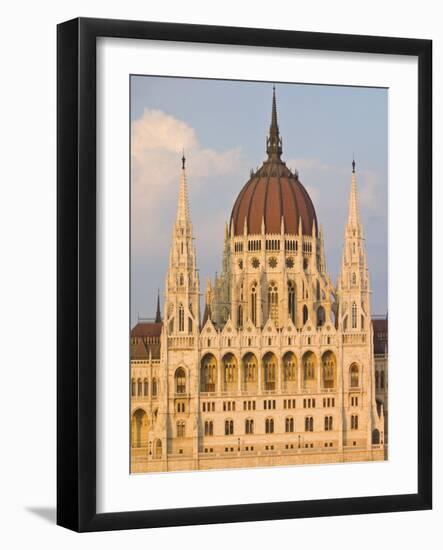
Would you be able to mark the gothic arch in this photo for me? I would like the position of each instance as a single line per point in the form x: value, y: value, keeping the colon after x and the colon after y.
x: 253, y: 303
x: 208, y: 373
x: 180, y: 381
x: 249, y: 372
x: 139, y: 428
x: 375, y: 437
x: 321, y: 316
x: 230, y: 372
x: 292, y: 301
x: 309, y: 371
x: 305, y: 314
x: 273, y: 302
x: 289, y: 370
x: 328, y: 370
x: 158, y: 448
x: 269, y: 370
x: 354, y: 376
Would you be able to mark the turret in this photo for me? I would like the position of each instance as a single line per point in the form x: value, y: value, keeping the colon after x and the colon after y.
x: 353, y: 282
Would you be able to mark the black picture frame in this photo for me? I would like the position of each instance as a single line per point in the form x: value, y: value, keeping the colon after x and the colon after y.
x: 76, y: 273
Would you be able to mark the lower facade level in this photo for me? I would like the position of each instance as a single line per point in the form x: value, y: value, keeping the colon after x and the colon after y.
x: 142, y: 461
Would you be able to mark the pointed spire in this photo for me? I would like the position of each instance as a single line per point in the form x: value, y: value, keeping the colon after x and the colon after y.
x: 183, y: 207
x: 158, y: 315
x: 354, y: 214
x: 274, y: 142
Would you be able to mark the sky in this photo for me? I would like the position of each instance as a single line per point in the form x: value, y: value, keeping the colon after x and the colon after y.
x: 222, y: 126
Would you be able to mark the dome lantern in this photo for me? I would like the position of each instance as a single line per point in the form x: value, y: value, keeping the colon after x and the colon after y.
x: 273, y: 197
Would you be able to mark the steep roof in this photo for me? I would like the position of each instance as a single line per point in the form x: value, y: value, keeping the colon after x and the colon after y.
x: 147, y: 329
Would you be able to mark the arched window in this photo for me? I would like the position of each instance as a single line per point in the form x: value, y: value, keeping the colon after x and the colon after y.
x: 269, y: 426
x: 249, y: 369
x: 180, y: 380
x: 309, y: 363
x: 254, y: 304
x: 309, y: 424
x: 328, y: 423
x: 208, y: 373
x: 328, y: 370
x: 139, y: 433
x: 158, y: 448
x: 318, y: 290
x: 229, y: 427
x: 382, y: 379
x: 181, y: 318
x: 249, y: 426
x: 240, y: 316
x: 353, y: 371
x: 305, y: 314
x: 321, y: 316
x: 291, y: 301
x: 289, y: 425
x: 181, y: 428
x: 230, y: 369
x: 154, y: 387
x: 354, y: 422
x: 189, y: 325
x: 375, y: 437
x: 181, y: 279
x: 273, y: 302
x: 209, y: 427
x: 139, y: 386
x: 289, y: 367
x: 133, y: 388
x: 354, y: 315
x: 145, y: 387
x: 269, y: 370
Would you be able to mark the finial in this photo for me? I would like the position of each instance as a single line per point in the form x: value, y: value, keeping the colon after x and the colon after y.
x: 183, y: 160
x: 274, y: 142
x: 353, y: 163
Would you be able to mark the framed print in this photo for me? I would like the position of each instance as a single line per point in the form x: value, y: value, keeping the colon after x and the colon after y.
x: 244, y: 274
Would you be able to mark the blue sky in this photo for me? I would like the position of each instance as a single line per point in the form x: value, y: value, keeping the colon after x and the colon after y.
x: 223, y: 126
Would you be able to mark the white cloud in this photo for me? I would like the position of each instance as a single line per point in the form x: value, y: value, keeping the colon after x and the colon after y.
x: 157, y: 141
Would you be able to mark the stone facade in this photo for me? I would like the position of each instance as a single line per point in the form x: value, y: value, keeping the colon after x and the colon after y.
x: 282, y: 367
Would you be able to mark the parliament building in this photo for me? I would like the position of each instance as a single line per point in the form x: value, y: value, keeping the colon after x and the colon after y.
x: 283, y: 367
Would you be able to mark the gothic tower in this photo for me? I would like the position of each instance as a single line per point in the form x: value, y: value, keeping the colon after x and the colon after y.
x: 180, y: 333
x: 353, y: 283
x: 182, y: 313
x: 354, y: 322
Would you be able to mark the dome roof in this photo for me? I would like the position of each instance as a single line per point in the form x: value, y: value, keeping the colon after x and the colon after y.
x: 273, y: 193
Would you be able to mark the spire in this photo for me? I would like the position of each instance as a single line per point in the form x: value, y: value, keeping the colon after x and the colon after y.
x: 354, y: 215
x: 274, y: 142
x: 158, y: 315
x: 183, y: 208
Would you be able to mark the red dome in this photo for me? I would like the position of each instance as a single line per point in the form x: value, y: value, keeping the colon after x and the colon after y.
x: 273, y: 193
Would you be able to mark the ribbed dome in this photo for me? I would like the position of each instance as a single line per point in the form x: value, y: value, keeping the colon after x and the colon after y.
x: 273, y: 193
